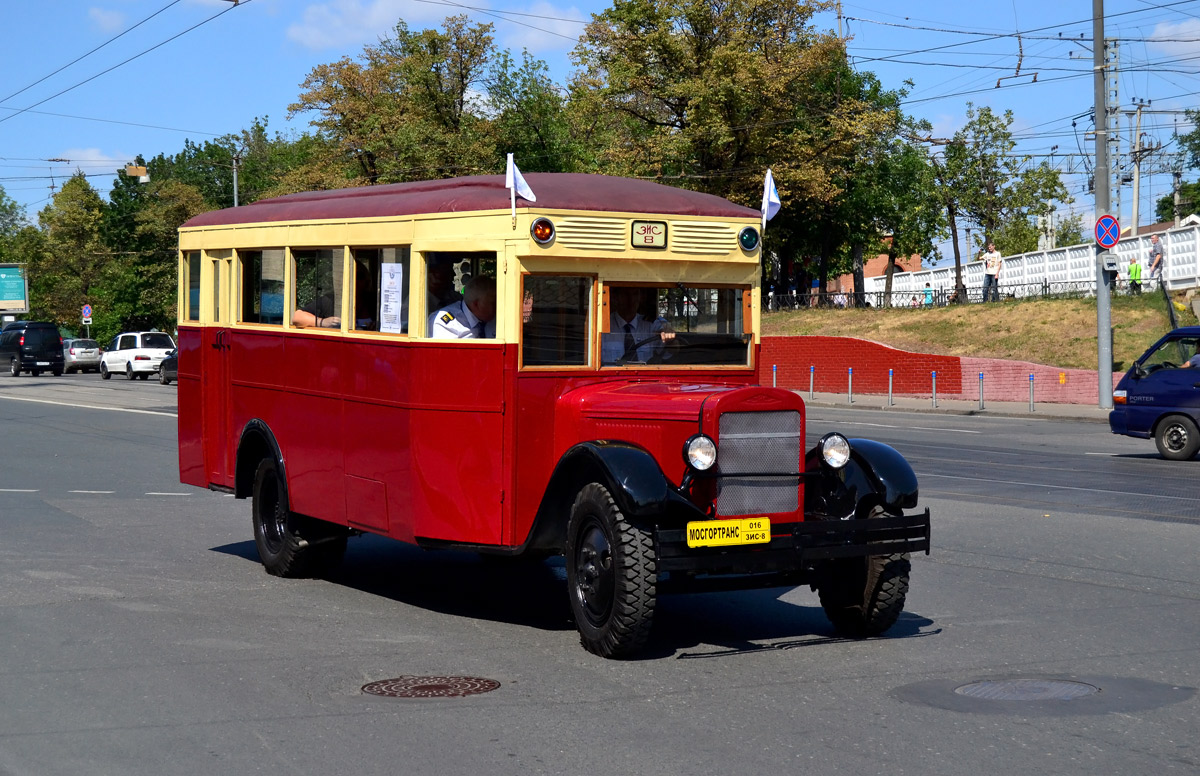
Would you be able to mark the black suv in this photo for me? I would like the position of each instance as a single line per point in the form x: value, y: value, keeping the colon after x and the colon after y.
x: 29, y: 346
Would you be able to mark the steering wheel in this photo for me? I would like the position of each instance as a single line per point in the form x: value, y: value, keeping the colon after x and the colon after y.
x: 631, y: 351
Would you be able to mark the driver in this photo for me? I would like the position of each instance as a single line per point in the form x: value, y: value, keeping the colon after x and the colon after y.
x: 629, y: 329
x: 1194, y: 361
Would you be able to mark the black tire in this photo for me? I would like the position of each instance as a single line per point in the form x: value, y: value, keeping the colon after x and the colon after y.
x: 128, y: 371
x: 57, y: 373
x: 104, y: 373
x: 35, y: 372
x: 162, y: 378
x: 1177, y: 438
x: 864, y: 596
x: 611, y: 575
x: 290, y: 545
x: 143, y: 375
x: 14, y: 368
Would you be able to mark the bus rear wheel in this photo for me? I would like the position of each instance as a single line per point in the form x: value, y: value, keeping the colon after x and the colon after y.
x: 290, y: 545
x: 611, y: 575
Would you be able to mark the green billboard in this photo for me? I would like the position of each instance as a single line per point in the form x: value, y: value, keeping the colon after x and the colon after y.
x: 14, y: 292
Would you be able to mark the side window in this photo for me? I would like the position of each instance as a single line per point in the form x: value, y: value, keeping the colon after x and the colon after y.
x: 262, y: 286
x: 128, y: 342
x: 193, y: 285
x: 381, y: 280
x: 1172, y: 353
x: 460, y: 295
x: 318, y: 289
x: 555, y: 315
x: 112, y: 345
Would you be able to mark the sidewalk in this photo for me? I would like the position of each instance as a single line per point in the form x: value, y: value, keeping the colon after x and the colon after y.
x: 1085, y: 412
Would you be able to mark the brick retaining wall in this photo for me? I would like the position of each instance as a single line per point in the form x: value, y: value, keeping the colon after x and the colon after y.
x: 957, y: 377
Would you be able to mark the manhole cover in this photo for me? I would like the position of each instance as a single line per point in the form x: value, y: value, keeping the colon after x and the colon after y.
x: 1027, y: 690
x: 430, y: 686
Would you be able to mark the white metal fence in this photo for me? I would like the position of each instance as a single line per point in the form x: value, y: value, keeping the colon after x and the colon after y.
x: 1024, y: 274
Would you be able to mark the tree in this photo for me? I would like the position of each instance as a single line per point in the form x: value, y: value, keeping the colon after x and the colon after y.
x: 982, y: 180
x: 409, y: 108
x: 709, y: 95
x: 529, y: 117
x: 12, y: 223
x: 1189, y: 202
x: 64, y: 276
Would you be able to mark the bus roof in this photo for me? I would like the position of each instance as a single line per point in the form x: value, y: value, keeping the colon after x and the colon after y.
x: 554, y: 191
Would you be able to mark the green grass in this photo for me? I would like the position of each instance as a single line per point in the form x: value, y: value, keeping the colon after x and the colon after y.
x: 1056, y: 332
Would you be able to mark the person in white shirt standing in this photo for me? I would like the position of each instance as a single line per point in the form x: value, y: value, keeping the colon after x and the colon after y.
x: 992, y: 261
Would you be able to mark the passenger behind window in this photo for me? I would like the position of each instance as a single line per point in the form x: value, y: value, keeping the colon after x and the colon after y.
x: 318, y: 313
x: 441, y: 285
x: 633, y: 336
x: 474, y: 317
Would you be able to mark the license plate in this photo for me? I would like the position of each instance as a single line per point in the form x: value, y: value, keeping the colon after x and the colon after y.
x: 43, y: 363
x: 723, y: 533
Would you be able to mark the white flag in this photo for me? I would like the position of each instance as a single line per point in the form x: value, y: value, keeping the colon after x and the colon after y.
x: 770, y: 203
x: 515, y: 181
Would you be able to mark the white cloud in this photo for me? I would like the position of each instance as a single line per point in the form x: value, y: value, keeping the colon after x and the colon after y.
x: 1176, y: 39
x: 341, y: 23
x: 94, y: 161
x: 105, y: 20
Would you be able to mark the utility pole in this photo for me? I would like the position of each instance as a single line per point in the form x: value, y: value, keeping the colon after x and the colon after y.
x: 1103, y: 302
x: 236, y: 159
x: 1177, y: 175
x: 1136, y: 154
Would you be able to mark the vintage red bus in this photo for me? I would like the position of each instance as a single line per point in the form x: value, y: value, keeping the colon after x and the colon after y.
x: 595, y: 394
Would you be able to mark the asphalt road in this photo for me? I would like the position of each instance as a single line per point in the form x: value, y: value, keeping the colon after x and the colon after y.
x: 141, y: 636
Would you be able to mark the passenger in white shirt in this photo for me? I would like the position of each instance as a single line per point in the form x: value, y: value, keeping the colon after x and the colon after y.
x: 472, y: 318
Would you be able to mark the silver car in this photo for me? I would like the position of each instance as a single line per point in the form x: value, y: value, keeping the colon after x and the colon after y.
x: 81, y: 355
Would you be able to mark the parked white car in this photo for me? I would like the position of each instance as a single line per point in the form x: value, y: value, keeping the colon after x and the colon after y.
x: 135, y: 354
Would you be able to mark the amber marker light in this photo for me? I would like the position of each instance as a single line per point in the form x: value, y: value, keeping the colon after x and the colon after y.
x: 1118, y: 397
x: 542, y: 231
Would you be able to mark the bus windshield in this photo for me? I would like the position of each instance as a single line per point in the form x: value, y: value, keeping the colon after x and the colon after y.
x: 647, y: 325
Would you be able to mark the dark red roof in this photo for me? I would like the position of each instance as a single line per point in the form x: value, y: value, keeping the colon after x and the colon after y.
x: 555, y: 191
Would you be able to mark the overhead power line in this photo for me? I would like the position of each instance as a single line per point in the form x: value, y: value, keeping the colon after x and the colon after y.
x: 88, y: 54
x: 125, y: 62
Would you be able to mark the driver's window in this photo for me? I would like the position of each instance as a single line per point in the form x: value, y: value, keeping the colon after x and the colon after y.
x: 1171, y: 354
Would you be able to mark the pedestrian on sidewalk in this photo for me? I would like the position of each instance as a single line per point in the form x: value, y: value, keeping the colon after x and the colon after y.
x: 992, y: 261
x: 1135, y: 276
x: 1158, y: 262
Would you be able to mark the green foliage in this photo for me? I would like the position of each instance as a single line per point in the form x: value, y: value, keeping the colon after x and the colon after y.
x: 1189, y: 202
x: 981, y: 179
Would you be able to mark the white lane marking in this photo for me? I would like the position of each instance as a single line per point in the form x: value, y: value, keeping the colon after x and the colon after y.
x: 902, y: 428
x: 91, y: 491
x: 17, y: 490
x: 168, y: 494
x: 1106, y: 455
x: 1026, y: 485
x: 91, y: 406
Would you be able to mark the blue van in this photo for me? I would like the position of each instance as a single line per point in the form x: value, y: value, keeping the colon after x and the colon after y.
x: 1159, y: 396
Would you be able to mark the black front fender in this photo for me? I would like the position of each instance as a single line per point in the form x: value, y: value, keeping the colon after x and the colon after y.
x: 875, y: 475
x: 628, y: 472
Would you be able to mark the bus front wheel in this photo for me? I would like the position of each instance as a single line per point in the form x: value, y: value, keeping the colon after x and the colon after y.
x: 290, y: 545
x: 611, y: 575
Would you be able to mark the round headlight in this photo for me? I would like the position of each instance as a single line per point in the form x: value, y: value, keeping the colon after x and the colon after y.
x: 700, y: 452
x: 542, y: 231
x: 835, y: 450
x: 748, y: 238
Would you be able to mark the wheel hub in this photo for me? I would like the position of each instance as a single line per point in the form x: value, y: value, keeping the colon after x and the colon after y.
x: 594, y: 577
x: 1177, y: 437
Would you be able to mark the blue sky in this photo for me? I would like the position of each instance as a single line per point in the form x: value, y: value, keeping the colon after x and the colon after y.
x: 215, y: 66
